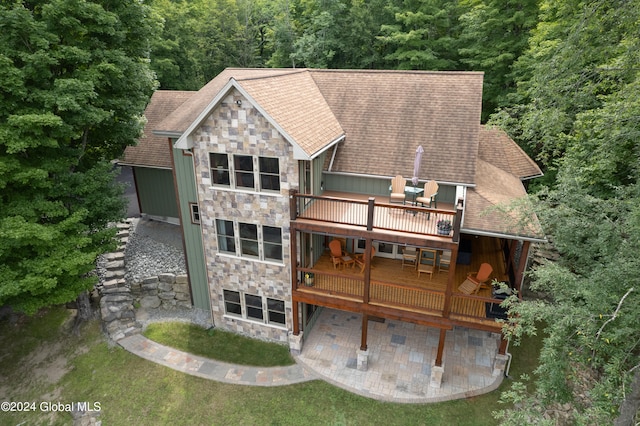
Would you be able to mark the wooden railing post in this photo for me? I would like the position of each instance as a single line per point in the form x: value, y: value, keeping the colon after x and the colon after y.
x: 367, y: 270
x: 457, y: 221
x: 293, y: 204
x: 372, y: 202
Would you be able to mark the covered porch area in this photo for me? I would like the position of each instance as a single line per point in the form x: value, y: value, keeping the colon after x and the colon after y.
x: 401, y: 358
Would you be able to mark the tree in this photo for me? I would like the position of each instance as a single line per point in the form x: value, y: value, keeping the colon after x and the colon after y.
x: 493, y: 35
x: 424, y: 36
x: 74, y: 81
x: 591, y: 355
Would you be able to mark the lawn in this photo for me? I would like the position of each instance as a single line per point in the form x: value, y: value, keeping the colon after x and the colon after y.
x: 134, y: 391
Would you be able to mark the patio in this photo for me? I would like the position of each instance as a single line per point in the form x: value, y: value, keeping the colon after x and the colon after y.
x: 400, y: 359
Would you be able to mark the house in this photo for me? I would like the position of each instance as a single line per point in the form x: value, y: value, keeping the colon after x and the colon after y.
x: 272, y: 165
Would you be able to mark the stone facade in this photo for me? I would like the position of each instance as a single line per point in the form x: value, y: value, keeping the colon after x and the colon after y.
x: 235, y: 126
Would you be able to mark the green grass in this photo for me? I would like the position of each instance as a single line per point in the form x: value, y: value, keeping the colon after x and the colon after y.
x: 132, y: 390
x: 219, y: 345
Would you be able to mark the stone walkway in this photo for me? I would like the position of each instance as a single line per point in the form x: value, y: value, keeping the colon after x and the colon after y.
x: 399, y: 366
x: 214, y: 370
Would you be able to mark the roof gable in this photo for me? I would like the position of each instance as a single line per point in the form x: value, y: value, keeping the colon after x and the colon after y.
x: 497, y: 148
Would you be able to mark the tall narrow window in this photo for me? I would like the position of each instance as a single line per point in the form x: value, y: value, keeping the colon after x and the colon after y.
x: 254, y: 306
x: 275, y: 310
x: 269, y: 174
x: 195, y: 213
x: 232, y: 303
x: 272, y: 242
x: 243, y: 165
x: 249, y: 239
x: 219, y: 169
x: 226, y: 240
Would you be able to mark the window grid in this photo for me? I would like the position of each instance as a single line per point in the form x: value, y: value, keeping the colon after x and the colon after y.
x: 254, y: 307
x: 219, y: 169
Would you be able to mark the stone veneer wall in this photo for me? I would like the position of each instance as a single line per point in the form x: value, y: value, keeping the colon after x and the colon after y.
x: 238, y: 128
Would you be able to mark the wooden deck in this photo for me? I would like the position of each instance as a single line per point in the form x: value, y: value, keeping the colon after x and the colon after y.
x: 398, y: 288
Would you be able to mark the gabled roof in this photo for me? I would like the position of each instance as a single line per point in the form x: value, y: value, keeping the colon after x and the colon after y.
x: 384, y: 115
x: 485, y: 205
x: 153, y: 150
x: 387, y: 114
x: 497, y: 148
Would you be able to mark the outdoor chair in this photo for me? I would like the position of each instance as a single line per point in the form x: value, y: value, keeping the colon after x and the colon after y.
x: 429, y: 195
x: 476, y: 280
x: 444, y: 262
x: 397, y: 190
x: 339, y: 257
x: 427, y: 262
x: 359, y: 258
x: 409, y: 256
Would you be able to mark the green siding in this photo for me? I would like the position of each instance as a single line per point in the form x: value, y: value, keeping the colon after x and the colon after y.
x: 185, y: 181
x: 375, y: 186
x: 156, y: 192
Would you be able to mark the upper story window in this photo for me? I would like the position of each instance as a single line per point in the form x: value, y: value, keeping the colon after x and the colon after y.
x: 219, y: 169
x: 241, y: 172
x: 249, y: 240
x: 269, y: 174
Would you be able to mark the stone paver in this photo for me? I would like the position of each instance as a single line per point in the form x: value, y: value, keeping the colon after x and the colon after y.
x: 399, y: 365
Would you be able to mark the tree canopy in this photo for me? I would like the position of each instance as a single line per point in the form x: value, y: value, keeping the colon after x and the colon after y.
x: 74, y: 81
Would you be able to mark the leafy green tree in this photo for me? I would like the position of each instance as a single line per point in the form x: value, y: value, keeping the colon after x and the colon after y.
x: 74, y: 81
x: 424, y: 36
x: 591, y: 355
x: 493, y: 35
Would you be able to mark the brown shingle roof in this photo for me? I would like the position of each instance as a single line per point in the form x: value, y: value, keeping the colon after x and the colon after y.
x: 485, y: 206
x: 497, y: 148
x: 387, y: 114
x: 181, y: 119
x: 295, y: 103
x: 153, y: 150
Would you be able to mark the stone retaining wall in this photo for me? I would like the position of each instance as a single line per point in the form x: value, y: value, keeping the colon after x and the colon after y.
x: 118, y: 298
x: 164, y: 291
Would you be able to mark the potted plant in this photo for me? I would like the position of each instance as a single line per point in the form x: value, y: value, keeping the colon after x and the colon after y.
x: 308, y: 279
x: 444, y: 227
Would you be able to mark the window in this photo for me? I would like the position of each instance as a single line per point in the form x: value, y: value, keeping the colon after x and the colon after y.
x: 244, y: 172
x: 195, y: 213
x: 269, y: 174
x: 243, y: 165
x: 254, y: 307
x: 219, y: 169
x: 275, y: 310
x: 253, y: 241
x: 232, y: 302
x: 249, y: 240
x: 272, y: 241
x: 226, y: 239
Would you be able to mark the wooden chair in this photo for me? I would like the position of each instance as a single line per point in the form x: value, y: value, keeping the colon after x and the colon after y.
x: 397, y: 190
x: 445, y: 261
x: 409, y: 256
x: 339, y: 257
x: 476, y: 280
x: 359, y: 259
x: 429, y: 196
x: 430, y: 266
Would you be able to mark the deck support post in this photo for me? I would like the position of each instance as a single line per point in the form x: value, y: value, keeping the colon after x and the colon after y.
x: 363, y: 337
x: 503, y: 345
x: 443, y: 335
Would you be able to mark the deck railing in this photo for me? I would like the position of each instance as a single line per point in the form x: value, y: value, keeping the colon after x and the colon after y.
x: 402, y: 297
x: 371, y: 215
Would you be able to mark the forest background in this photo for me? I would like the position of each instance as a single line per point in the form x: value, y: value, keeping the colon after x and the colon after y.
x: 561, y: 78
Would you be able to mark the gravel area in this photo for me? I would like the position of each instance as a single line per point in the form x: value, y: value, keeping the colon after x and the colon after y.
x: 154, y: 248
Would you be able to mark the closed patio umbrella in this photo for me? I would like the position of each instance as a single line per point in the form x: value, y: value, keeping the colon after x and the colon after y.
x: 416, y: 165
